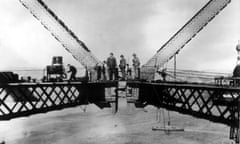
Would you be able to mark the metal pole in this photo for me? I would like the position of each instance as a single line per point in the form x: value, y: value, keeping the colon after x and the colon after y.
x: 238, y: 129
x: 116, y: 99
x: 175, y: 67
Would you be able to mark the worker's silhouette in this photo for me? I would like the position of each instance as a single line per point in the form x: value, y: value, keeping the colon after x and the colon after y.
x: 112, y: 64
x: 136, y: 66
x: 73, y: 71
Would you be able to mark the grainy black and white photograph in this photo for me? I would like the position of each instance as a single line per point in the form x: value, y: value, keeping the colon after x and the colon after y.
x: 120, y: 72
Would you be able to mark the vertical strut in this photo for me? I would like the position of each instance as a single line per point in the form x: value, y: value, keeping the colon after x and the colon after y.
x: 238, y: 129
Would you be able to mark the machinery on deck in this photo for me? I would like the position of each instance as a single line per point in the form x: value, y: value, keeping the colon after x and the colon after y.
x: 233, y: 80
x: 56, y: 71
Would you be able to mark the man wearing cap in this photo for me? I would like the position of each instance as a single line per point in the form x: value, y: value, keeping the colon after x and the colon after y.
x: 104, y: 70
x: 122, y: 66
x: 73, y: 71
x: 111, y: 64
x: 136, y: 66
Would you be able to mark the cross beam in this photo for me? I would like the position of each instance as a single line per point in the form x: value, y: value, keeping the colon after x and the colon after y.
x: 24, y: 99
x: 215, y: 103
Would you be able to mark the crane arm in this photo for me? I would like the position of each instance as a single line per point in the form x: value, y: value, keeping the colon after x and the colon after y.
x: 185, y: 34
x: 61, y: 32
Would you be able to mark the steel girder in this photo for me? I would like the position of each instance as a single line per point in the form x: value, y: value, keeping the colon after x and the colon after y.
x: 215, y: 103
x: 24, y: 99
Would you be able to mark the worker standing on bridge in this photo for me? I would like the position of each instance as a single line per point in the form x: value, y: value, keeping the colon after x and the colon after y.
x: 111, y: 64
x: 104, y: 70
x: 122, y: 66
x: 136, y: 66
x: 98, y: 69
x: 73, y: 71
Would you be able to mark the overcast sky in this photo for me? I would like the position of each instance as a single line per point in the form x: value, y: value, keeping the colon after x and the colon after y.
x: 121, y: 27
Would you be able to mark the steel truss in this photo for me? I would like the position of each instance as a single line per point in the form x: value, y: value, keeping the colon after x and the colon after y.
x: 24, y: 99
x: 214, y: 103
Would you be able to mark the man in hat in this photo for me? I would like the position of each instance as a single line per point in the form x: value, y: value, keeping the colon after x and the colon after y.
x: 111, y: 64
x: 98, y: 69
x: 104, y: 70
x: 73, y: 71
x: 136, y: 66
x: 122, y: 66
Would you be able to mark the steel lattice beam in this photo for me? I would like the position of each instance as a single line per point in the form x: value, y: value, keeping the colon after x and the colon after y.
x: 23, y: 99
x: 61, y: 32
x: 210, y: 102
x: 183, y: 36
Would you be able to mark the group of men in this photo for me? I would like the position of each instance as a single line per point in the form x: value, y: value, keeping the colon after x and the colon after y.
x: 111, y: 66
